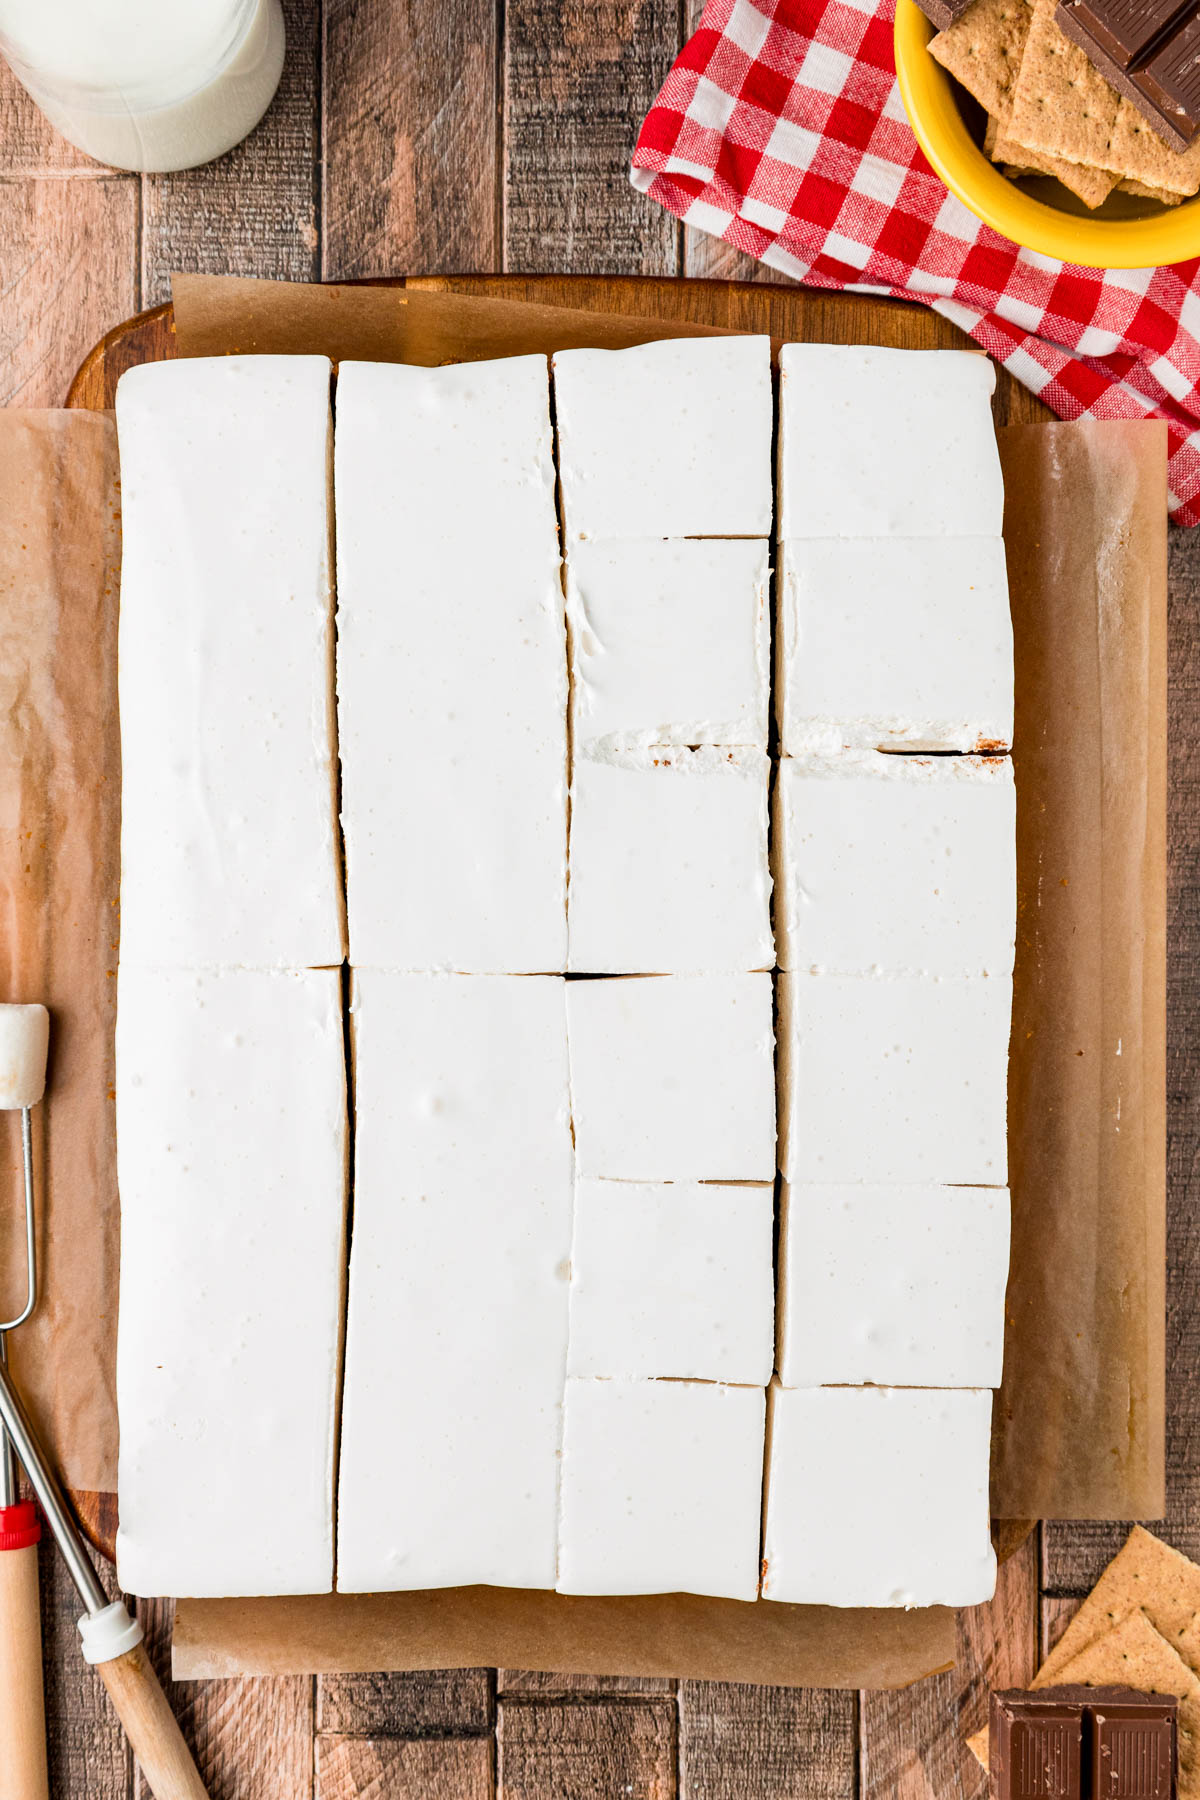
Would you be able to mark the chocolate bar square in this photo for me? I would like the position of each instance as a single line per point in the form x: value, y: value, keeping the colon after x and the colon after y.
x: 1083, y: 1743
x: 1127, y: 31
x: 1132, y: 1751
x: 944, y: 13
x: 1036, y: 1748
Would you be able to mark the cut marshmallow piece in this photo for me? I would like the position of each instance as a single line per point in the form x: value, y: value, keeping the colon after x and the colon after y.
x: 669, y: 867
x: 891, y: 1078
x: 673, y: 1280
x: 672, y: 1077
x: 670, y: 642
x: 887, y: 443
x: 229, y: 851
x: 231, y: 1160
x: 895, y: 644
x: 661, y: 1489
x: 24, y: 1042
x: 899, y: 864
x: 457, y: 1323
x: 893, y: 1284
x: 452, y: 680
x: 669, y: 439
x: 878, y: 1496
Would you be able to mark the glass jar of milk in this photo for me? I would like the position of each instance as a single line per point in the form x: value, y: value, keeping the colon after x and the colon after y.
x: 147, y: 84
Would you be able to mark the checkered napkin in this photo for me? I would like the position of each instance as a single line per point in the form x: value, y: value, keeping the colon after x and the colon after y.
x: 781, y: 129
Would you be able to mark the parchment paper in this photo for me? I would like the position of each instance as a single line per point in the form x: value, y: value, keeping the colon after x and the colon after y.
x: 1080, y: 1427
x: 1079, y: 1420
x: 60, y: 793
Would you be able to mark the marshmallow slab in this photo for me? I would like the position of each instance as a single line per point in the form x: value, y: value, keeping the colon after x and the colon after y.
x: 894, y: 644
x: 229, y: 851
x: 887, y: 443
x: 669, y: 439
x: 878, y: 1496
x: 669, y: 867
x: 670, y: 642
x: 673, y: 1280
x: 661, y: 1489
x: 893, y: 1284
x: 452, y: 680
x: 231, y: 1160
x: 891, y: 1078
x: 456, y: 1340
x: 672, y: 1078
x: 896, y: 864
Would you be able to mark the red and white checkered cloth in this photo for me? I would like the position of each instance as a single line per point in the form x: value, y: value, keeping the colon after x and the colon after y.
x: 781, y: 129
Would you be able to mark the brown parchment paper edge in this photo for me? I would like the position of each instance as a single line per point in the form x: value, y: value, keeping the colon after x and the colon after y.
x: 228, y: 1628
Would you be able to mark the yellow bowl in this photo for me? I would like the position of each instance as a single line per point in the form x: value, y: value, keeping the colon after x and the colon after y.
x: 1124, y: 233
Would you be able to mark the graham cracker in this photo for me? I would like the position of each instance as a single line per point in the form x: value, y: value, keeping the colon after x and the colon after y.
x: 1061, y: 106
x: 1134, y: 1655
x: 1093, y: 186
x: 983, y: 50
x: 1141, y: 155
x: 1150, y: 193
x: 1146, y: 1575
x: 980, y: 1746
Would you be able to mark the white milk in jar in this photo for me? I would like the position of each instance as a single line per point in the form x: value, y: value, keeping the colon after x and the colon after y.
x: 147, y: 84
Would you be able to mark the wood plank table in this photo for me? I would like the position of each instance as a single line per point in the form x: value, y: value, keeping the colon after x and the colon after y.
x: 494, y: 136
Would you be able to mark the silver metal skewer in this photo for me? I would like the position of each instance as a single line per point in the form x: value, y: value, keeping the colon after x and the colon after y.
x: 8, y: 1464
x: 44, y: 1483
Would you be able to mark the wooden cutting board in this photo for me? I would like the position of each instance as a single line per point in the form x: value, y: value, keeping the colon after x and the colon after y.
x: 789, y: 312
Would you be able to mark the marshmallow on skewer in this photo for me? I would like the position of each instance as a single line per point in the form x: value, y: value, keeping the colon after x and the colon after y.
x: 24, y: 1039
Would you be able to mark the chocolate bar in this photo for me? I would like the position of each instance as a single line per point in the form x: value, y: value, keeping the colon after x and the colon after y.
x: 1149, y: 51
x: 944, y: 13
x: 1083, y: 1743
x: 1127, y: 31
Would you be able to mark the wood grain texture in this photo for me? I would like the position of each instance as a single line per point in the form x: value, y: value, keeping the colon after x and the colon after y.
x: 578, y: 78
x: 69, y: 273
x: 252, y: 1739
x: 254, y: 211
x: 1057, y: 1612
x: 540, y: 1685
x: 586, y: 1750
x: 418, y: 1703
x: 913, y: 1743
x: 763, y: 1743
x: 350, y: 1768
x: 410, y: 137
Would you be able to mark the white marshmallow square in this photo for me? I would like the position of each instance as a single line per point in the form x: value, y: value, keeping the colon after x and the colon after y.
x: 661, y: 1489
x: 229, y: 847
x: 231, y: 1160
x: 896, y: 864
x: 895, y: 644
x: 892, y: 1284
x: 878, y: 1496
x: 672, y: 1077
x: 674, y: 1279
x: 668, y: 861
x: 887, y: 443
x: 670, y: 641
x: 452, y: 679
x: 456, y: 1338
x: 893, y: 1078
x: 668, y: 439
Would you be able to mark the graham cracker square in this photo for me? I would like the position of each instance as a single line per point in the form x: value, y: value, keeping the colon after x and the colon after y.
x: 1061, y: 106
x: 983, y: 49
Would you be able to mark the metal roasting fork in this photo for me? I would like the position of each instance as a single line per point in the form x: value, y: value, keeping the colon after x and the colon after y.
x: 111, y: 1639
